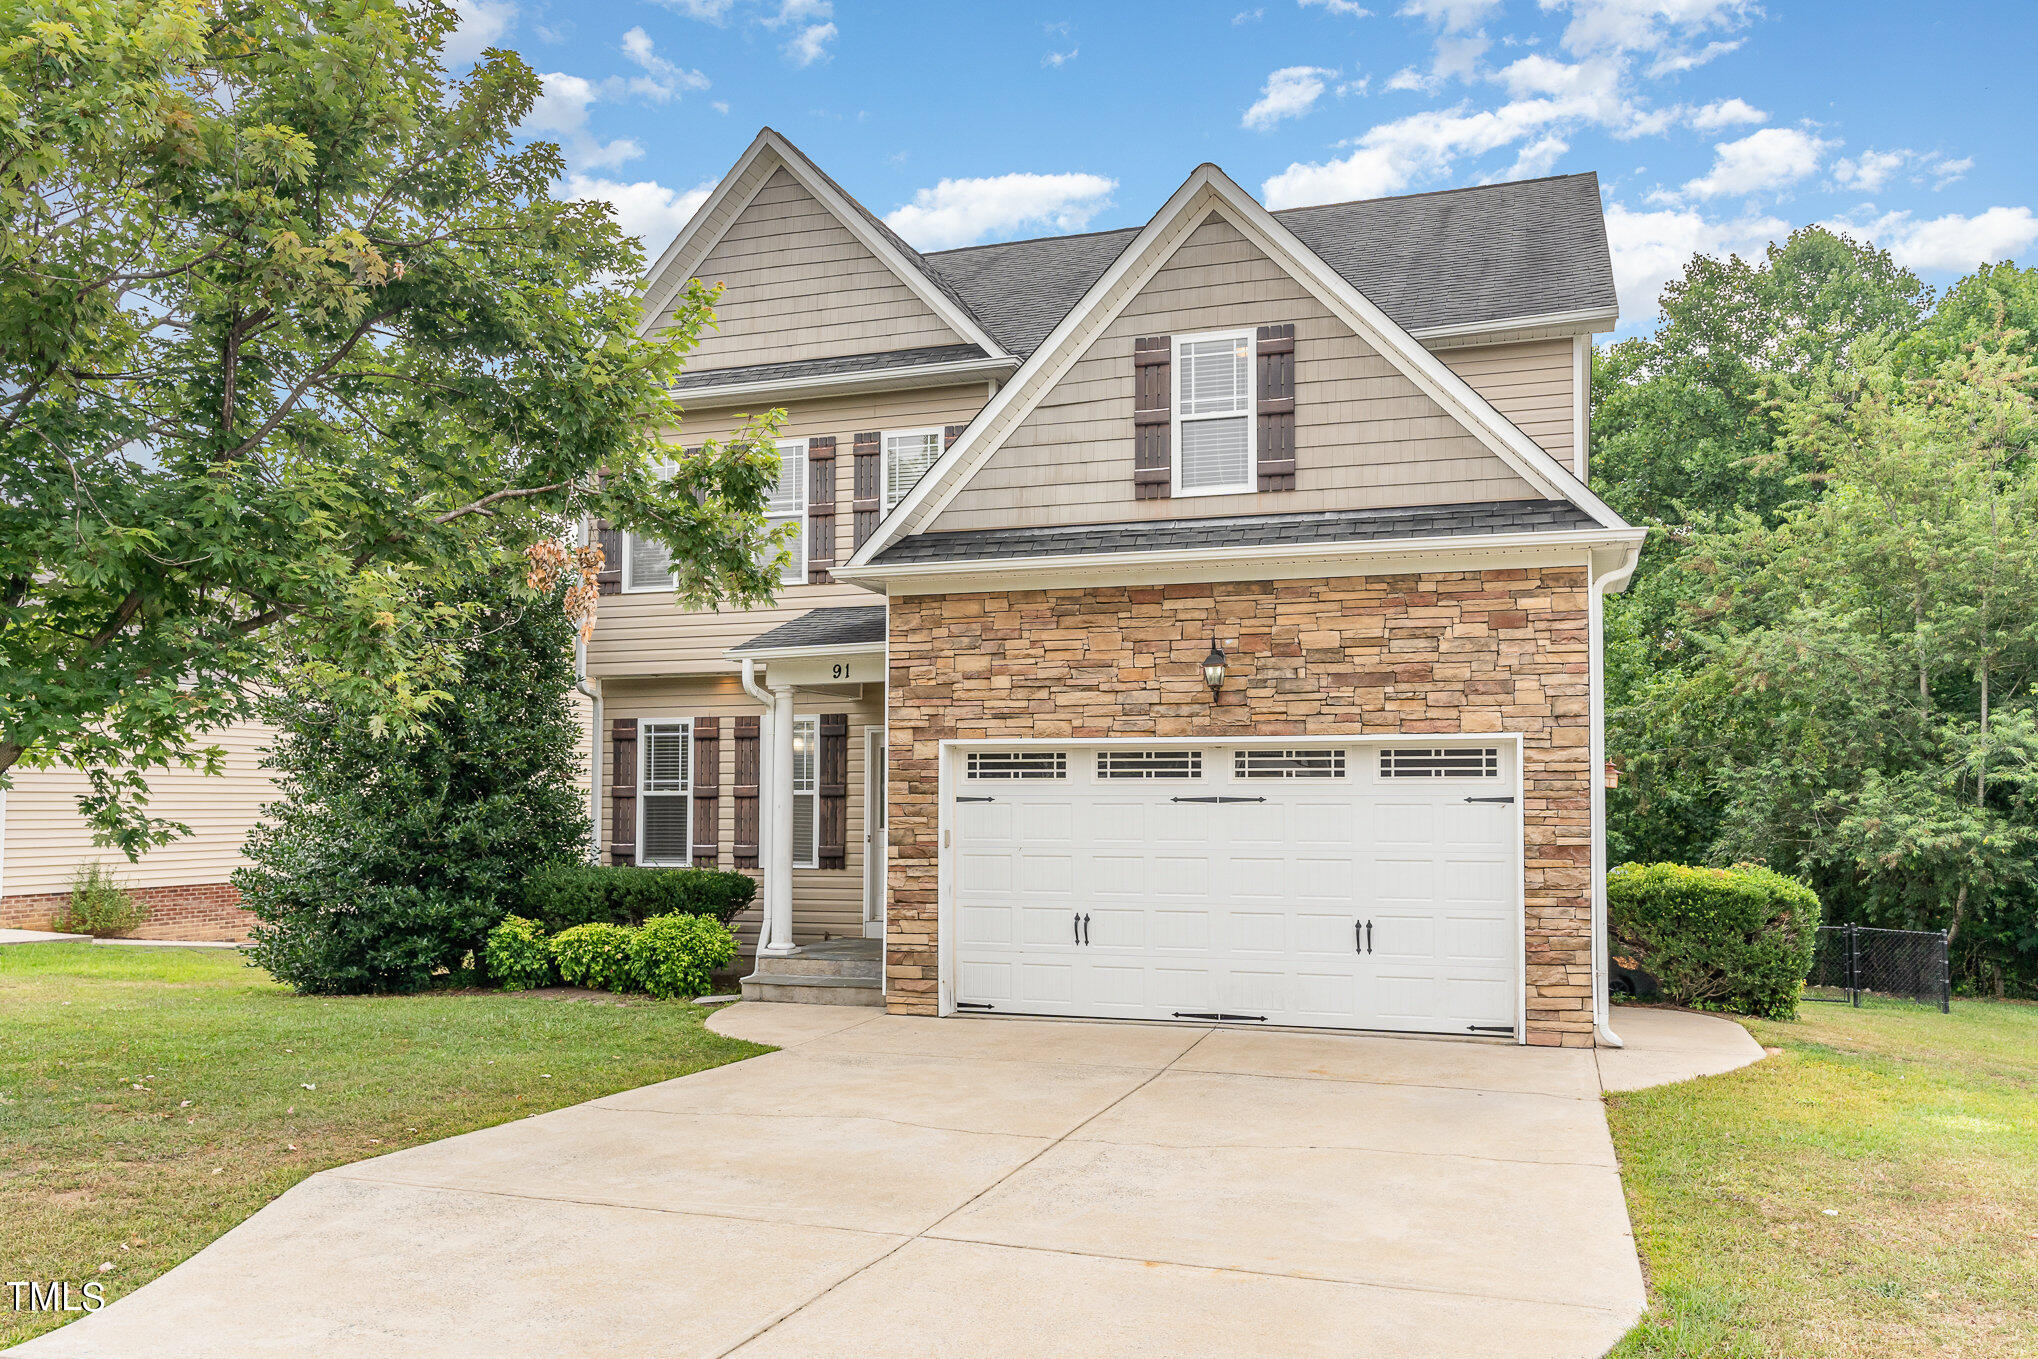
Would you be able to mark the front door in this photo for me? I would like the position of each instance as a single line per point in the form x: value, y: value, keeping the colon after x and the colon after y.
x: 874, y: 833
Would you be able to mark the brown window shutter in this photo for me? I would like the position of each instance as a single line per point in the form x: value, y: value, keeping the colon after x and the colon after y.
x: 1274, y: 353
x: 707, y: 789
x: 745, y: 791
x: 950, y: 434
x: 609, y: 580
x: 820, y: 508
x: 834, y: 790
x: 1152, y: 393
x: 623, y: 791
x: 868, y: 502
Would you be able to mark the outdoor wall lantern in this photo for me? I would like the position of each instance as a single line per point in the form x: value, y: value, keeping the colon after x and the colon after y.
x: 1213, y: 668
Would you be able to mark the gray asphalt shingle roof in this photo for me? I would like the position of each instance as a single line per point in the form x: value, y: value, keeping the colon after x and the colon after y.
x: 1458, y: 256
x: 860, y: 623
x: 1257, y: 530
x: 891, y: 359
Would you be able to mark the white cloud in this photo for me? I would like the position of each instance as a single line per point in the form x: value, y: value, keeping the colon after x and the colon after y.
x: 646, y: 209
x: 1868, y: 171
x: 483, y: 24
x: 1408, y: 78
x: 1537, y: 158
x: 1289, y: 93
x: 1657, y: 26
x: 561, y: 110
x: 1651, y: 248
x: 662, y: 80
x: 810, y: 44
x: 1344, y: 7
x: 1723, y: 113
x: 708, y: 11
x: 1953, y: 243
x: 964, y: 211
x: 1678, y: 62
x: 1247, y: 16
x: 1761, y: 161
x: 1059, y: 59
x: 1945, y: 172
x: 1453, y: 16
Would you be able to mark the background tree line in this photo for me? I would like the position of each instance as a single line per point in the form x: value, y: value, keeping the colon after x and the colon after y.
x: 1825, y: 661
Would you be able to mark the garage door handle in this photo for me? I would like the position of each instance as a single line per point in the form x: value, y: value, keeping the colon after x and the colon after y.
x: 1369, y: 936
x: 1217, y: 799
x: 1476, y: 799
x: 1076, y: 924
x: 1086, y: 929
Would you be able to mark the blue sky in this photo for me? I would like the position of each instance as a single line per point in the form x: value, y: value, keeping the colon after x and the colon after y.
x: 1714, y: 125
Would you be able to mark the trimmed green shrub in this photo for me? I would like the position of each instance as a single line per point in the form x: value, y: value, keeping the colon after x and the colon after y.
x: 518, y: 956
x: 99, y: 905
x: 1737, y: 939
x: 675, y: 955
x: 560, y: 896
x: 595, y: 955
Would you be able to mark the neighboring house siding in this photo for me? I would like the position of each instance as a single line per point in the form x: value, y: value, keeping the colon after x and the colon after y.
x: 827, y: 902
x: 47, y: 839
x: 1529, y: 383
x: 648, y: 634
x: 798, y: 285
x: 1441, y: 652
x: 1365, y: 435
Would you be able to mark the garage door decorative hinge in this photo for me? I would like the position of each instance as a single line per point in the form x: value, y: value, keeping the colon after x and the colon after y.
x: 1191, y: 1014
x: 1217, y: 799
x: 972, y: 1005
x: 1478, y: 799
x: 1489, y: 1028
x: 976, y: 799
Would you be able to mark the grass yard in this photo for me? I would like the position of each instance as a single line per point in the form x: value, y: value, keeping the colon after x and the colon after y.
x: 151, y: 1099
x: 1871, y: 1190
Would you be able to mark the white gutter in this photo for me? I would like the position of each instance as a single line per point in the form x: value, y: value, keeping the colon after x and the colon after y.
x: 1597, y: 318
x: 794, y: 653
x: 1603, y: 584
x: 764, y: 743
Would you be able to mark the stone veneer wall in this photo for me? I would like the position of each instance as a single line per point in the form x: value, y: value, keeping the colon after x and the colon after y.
x: 203, y: 910
x: 1444, y: 652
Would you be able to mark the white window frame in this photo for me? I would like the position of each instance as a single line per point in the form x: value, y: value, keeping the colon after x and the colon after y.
x: 644, y: 793
x: 1250, y: 414
x: 885, y: 461
x: 796, y: 571
x: 809, y: 723
x: 631, y: 586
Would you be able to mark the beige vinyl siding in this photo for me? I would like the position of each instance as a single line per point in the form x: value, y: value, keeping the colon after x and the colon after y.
x: 1529, y: 383
x: 827, y: 902
x: 648, y: 634
x: 1365, y: 435
x: 798, y: 285
x: 47, y: 840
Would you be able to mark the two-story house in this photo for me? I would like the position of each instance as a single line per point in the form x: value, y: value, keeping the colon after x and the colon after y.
x: 1193, y: 620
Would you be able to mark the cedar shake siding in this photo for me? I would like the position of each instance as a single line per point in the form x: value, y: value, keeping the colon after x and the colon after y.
x: 1444, y: 652
x: 798, y: 285
x: 1364, y: 434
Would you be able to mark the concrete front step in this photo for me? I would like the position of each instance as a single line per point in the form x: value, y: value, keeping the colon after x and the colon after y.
x: 798, y: 990
x: 802, y: 965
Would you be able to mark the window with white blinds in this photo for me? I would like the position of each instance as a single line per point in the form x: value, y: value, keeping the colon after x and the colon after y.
x: 665, y: 793
x: 908, y: 455
x: 806, y: 792
x: 788, y: 505
x: 1214, y: 413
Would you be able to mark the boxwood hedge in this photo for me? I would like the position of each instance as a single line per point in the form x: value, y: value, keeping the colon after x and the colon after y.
x: 1737, y: 939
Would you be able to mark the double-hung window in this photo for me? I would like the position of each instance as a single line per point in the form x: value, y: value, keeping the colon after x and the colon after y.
x: 806, y: 792
x: 908, y: 455
x: 647, y: 563
x: 665, y: 793
x: 788, y: 505
x: 1213, y: 429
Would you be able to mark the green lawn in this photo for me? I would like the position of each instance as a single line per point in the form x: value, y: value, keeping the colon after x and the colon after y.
x: 151, y: 1099
x: 1870, y: 1190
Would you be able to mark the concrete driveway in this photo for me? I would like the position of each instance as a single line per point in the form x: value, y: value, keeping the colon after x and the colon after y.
x: 969, y: 1187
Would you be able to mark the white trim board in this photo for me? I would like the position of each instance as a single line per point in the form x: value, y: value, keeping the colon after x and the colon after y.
x: 693, y: 243
x: 1209, y: 190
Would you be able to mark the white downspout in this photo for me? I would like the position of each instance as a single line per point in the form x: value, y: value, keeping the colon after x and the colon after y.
x: 764, y: 743
x: 593, y: 696
x: 1602, y: 585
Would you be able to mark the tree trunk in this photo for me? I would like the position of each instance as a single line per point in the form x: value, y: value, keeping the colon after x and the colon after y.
x: 9, y: 753
x: 1959, y: 909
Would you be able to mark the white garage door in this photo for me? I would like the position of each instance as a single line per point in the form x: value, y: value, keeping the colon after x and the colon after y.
x: 1356, y: 885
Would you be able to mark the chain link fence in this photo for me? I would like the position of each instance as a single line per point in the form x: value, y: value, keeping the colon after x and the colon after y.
x: 1853, y: 960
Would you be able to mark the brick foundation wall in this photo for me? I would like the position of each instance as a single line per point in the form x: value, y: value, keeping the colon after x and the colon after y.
x: 1446, y: 652
x: 203, y: 910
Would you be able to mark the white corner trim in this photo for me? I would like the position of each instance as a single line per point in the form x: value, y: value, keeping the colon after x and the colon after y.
x: 1208, y: 188
x: 659, y: 288
x: 1581, y: 407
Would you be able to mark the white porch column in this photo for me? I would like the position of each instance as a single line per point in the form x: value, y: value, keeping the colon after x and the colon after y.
x: 776, y: 853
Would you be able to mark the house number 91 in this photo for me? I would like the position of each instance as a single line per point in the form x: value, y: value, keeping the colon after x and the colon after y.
x: 840, y: 671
